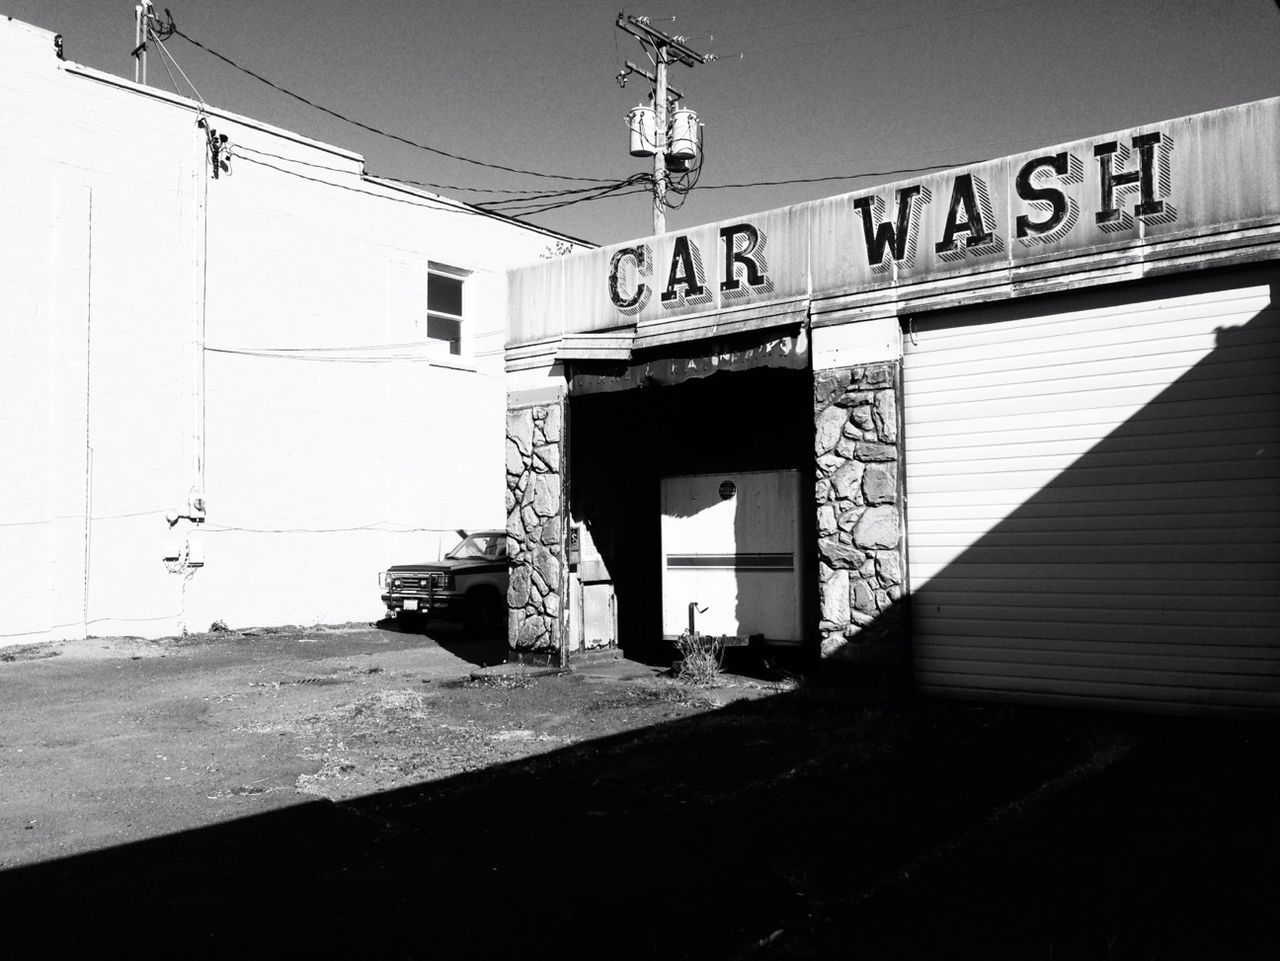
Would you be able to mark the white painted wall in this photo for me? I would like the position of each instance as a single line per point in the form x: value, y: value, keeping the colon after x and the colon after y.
x: 322, y: 453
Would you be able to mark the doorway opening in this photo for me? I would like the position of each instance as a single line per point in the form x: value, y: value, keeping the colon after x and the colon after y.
x: 622, y: 444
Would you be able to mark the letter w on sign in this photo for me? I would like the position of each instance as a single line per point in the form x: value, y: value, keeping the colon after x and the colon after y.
x: 897, y: 236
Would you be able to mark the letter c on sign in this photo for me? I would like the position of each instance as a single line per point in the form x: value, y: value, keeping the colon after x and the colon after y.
x: 635, y: 301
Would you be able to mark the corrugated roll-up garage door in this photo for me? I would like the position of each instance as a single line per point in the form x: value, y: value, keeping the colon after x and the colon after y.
x: 1093, y: 507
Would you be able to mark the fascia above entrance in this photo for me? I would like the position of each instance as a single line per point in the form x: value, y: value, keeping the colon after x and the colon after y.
x: 620, y: 343
x: 597, y: 345
x: 721, y: 323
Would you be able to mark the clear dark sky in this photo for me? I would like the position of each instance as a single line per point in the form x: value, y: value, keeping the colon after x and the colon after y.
x: 804, y: 88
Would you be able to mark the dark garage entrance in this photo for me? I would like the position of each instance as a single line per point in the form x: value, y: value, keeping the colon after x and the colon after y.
x: 621, y: 443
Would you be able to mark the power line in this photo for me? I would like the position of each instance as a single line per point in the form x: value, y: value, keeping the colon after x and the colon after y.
x: 632, y: 181
x: 378, y: 527
x: 300, y: 355
x: 165, y: 63
x: 348, y: 349
x: 563, y: 193
x: 457, y: 207
x: 570, y: 203
x: 517, y: 196
x: 165, y: 51
x: 696, y: 172
x: 375, y: 130
x: 461, y: 208
x: 293, y: 160
x: 858, y: 176
x: 431, y: 185
x: 75, y: 517
x: 618, y: 190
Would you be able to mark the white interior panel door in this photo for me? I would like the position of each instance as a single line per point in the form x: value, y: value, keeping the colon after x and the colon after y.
x: 730, y: 544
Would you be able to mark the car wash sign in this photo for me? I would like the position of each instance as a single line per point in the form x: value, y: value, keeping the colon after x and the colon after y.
x: 1123, y: 190
x: 1182, y: 180
x: 718, y: 267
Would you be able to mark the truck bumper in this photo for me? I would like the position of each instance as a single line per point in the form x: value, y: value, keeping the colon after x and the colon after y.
x: 435, y: 603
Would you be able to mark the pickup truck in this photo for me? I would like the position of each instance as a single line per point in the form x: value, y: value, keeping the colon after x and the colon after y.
x: 469, y: 584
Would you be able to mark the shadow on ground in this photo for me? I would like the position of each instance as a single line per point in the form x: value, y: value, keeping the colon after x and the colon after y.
x: 780, y: 826
x: 479, y: 649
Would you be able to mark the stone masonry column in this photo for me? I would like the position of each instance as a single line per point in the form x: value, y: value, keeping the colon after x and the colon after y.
x: 858, y: 491
x: 535, y: 532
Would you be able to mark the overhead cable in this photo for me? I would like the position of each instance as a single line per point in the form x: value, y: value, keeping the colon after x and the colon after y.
x: 420, y: 200
x: 857, y: 176
x: 621, y: 189
x: 165, y: 63
x: 432, y: 203
x: 633, y: 180
x: 375, y: 130
x: 431, y: 185
x: 293, y: 160
x: 301, y: 355
x: 165, y: 51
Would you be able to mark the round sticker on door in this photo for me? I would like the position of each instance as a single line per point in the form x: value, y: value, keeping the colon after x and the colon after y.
x: 727, y: 490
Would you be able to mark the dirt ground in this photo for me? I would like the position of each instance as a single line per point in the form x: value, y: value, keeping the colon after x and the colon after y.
x: 355, y: 792
x: 110, y: 740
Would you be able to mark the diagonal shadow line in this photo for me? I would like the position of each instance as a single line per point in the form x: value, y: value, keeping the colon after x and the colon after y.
x: 1145, y: 570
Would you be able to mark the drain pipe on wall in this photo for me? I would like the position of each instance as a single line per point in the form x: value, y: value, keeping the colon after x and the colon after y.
x: 196, y: 502
x: 88, y: 424
x: 186, y: 553
x: 566, y: 521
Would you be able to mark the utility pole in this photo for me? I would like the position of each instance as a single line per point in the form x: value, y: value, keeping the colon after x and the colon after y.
x: 140, y: 14
x: 145, y: 24
x: 660, y: 154
x: 666, y: 50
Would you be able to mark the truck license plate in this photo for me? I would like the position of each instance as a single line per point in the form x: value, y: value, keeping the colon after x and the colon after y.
x: 411, y: 604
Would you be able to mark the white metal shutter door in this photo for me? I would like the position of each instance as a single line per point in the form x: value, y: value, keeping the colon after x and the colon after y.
x: 1093, y: 501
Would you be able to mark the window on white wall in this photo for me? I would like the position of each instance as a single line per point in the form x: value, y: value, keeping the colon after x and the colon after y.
x: 445, y: 306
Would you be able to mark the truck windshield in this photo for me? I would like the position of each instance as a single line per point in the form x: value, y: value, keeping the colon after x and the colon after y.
x: 479, y: 546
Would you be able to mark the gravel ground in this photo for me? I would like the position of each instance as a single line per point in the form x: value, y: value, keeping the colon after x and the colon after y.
x: 110, y: 740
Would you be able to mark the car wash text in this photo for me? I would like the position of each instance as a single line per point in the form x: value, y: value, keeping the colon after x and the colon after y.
x: 1130, y: 184
x: 743, y: 269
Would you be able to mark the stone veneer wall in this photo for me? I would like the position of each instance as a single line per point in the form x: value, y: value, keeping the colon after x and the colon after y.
x: 535, y: 475
x: 860, y: 525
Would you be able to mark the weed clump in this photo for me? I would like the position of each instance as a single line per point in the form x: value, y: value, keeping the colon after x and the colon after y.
x: 701, y: 659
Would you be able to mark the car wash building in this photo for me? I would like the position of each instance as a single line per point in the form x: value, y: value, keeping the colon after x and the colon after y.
x: 1012, y: 428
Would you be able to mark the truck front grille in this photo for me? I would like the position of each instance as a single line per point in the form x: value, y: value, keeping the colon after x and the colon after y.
x: 417, y: 583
